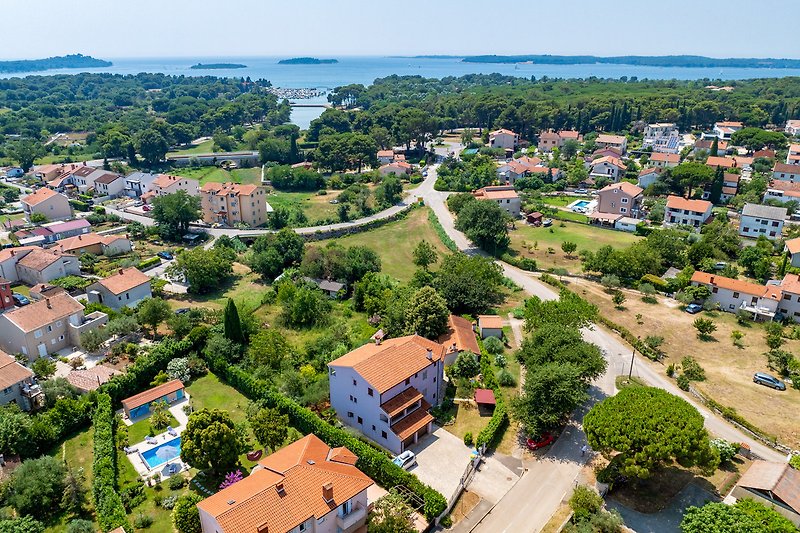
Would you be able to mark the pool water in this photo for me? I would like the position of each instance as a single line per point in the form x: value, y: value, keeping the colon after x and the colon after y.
x: 162, y: 453
x: 581, y: 203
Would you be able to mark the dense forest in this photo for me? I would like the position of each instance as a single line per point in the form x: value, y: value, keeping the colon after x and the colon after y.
x: 69, y: 61
x: 650, y: 61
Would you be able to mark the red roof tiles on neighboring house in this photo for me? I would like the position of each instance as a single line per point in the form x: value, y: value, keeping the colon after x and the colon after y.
x: 150, y: 395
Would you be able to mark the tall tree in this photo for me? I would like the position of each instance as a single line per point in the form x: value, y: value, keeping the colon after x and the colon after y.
x: 270, y: 428
x: 486, y: 224
x: 152, y: 146
x: 212, y: 440
x: 716, y: 186
x: 425, y: 255
x: 427, y: 313
x: 152, y: 312
x: 174, y: 212
x: 233, y: 325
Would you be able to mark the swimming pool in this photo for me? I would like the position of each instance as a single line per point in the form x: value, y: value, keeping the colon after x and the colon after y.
x: 162, y: 453
x: 581, y: 203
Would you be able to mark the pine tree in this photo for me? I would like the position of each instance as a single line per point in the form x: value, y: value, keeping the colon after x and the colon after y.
x: 714, y: 147
x: 233, y: 326
x: 716, y: 186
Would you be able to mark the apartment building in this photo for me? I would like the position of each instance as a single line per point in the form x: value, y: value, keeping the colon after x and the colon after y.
x: 662, y: 137
x: 231, y: 203
x: 549, y: 140
x: 17, y: 385
x: 758, y: 220
x: 681, y: 211
x: 620, y: 199
x: 165, y: 184
x: 503, y: 195
x: 385, y: 389
x: 503, y: 138
x: 617, y: 142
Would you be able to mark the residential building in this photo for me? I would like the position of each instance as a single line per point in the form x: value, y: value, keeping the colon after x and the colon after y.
x: 83, y: 177
x: 783, y: 191
x: 545, y: 173
x: 490, y: 326
x: 627, y: 224
x: 793, y: 155
x: 790, y: 304
x: 617, y: 142
x: 109, y: 184
x: 648, y: 176
x: 165, y: 184
x: 138, y: 183
x: 730, y: 186
x: 17, y: 385
x: 9, y: 257
x: 758, y: 220
x: 705, y: 145
x: 460, y: 337
x: 64, y: 230
x: 385, y: 389
x: 784, y: 172
x: 775, y: 485
x: 40, y: 291
x: 401, y: 168
x: 609, y: 167
x: 503, y: 138
x: 792, y: 247
x: 47, y: 202
x: 621, y: 198
x: 332, y: 289
x: 41, y: 266
x: 734, y: 295
x: 305, y: 487
x: 685, y: 212
x: 6, y: 295
x: 662, y: 137
x: 230, y: 204
x: 764, y: 152
x: 54, y: 171
x: 126, y: 288
x: 724, y: 162
x: 511, y: 171
x: 139, y: 405
x: 503, y: 195
x: 664, y: 160
x: 46, y: 326
x: 548, y: 140
x: 92, y: 243
x: 792, y: 127
x: 724, y: 130
x: 385, y: 157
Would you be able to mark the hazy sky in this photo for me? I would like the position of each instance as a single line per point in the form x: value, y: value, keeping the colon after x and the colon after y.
x: 197, y: 28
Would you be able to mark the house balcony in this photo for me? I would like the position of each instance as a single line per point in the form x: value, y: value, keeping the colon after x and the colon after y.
x: 757, y: 310
x: 353, y: 520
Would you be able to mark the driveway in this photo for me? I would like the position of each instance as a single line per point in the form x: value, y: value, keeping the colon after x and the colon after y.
x: 441, y: 460
x: 668, y: 520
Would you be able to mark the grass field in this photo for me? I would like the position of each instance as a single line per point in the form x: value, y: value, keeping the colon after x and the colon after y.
x: 316, y: 207
x: 395, y: 242
x: 529, y: 241
x: 141, y: 429
x: 212, y: 174
x: 729, y: 369
x: 205, y: 147
x: 561, y: 201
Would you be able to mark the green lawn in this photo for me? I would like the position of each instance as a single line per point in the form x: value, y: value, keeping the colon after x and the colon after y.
x: 205, y: 147
x: 561, y: 201
x: 77, y: 452
x: 395, y: 242
x: 21, y: 289
x: 529, y: 241
x: 141, y: 429
x: 50, y: 159
x: 212, y: 174
x: 316, y: 207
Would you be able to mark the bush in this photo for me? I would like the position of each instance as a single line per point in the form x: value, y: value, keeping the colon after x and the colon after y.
x: 468, y: 439
x: 168, y: 503
x: 176, y: 482
x: 585, y: 502
x: 142, y: 521
x: 185, y: 516
x: 493, y: 345
x: 506, y: 379
x: 500, y: 360
x: 79, y: 526
x: 683, y: 382
x: 658, y: 283
x: 727, y: 450
x: 692, y: 369
x: 523, y: 263
x: 147, y: 263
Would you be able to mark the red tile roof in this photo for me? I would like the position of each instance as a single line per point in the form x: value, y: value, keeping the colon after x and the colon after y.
x: 124, y: 280
x: 40, y: 196
x: 696, y: 206
x: 485, y: 396
x: 490, y: 321
x: 772, y: 292
x: 786, y: 169
x: 459, y: 331
x: 153, y: 394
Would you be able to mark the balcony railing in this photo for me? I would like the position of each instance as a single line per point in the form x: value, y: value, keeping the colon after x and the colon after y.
x: 352, y: 520
x: 757, y: 309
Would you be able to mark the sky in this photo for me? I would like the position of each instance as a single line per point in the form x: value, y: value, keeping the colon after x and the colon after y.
x: 330, y: 28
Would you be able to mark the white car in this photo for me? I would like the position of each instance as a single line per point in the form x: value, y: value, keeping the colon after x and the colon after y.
x: 405, y: 460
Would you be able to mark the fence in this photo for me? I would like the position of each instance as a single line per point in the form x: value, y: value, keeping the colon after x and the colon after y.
x: 466, y: 477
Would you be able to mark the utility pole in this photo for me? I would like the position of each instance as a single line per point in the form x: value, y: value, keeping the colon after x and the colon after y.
x: 633, y: 353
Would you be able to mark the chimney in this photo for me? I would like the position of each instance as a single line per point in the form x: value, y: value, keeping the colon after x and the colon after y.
x: 279, y: 488
x: 377, y: 341
x: 429, y: 355
x: 13, y: 253
x: 263, y: 528
x: 327, y: 492
x: 48, y: 303
x: 712, y: 280
x: 120, y: 271
x: 80, y: 237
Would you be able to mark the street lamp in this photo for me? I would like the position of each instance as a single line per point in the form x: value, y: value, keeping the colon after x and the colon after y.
x: 633, y: 353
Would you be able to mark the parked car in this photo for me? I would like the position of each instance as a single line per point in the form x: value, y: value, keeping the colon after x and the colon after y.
x: 547, y: 222
x: 534, y: 443
x: 20, y: 299
x: 405, y: 460
x: 182, y: 311
x: 768, y: 381
x: 720, y: 265
x: 165, y: 255
x: 581, y: 191
x: 693, y: 309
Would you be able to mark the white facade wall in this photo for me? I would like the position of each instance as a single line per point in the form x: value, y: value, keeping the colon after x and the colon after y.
x: 750, y: 226
x: 606, y: 169
x: 685, y: 217
x: 506, y: 141
x: 731, y: 301
x: 786, y: 176
x: 118, y: 301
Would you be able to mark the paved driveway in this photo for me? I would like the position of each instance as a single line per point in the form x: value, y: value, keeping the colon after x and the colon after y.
x: 441, y: 460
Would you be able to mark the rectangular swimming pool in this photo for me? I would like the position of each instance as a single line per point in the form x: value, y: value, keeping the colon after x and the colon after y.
x: 162, y: 453
x: 581, y: 203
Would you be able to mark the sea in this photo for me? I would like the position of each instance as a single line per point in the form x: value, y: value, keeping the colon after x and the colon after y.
x: 364, y: 70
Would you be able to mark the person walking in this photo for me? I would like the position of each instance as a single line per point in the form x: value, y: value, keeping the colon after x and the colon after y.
x: 584, y: 449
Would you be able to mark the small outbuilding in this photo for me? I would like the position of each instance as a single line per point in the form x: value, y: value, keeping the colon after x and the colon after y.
x: 490, y: 326
x: 534, y: 218
x: 139, y: 405
x: 486, y: 401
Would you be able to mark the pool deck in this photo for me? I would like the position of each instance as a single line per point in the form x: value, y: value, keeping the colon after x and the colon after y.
x: 583, y: 205
x: 135, y: 458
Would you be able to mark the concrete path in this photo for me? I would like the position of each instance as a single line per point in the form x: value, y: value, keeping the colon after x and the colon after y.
x: 493, y: 480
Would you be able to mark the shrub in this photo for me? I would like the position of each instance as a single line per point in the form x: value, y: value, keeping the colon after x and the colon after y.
x: 585, y: 502
x: 493, y: 345
x: 500, y: 360
x: 168, y: 503
x: 468, y: 439
x: 671, y: 370
x: 185, y: 516
x: 727, y: 450
x: 142, y: 521
x: 795, y: 461
x: 658, y: 283
x: 683, y: 382
x: 147, y: 263
x: 505, y: 378
x: 176, y: 482
x: 692, y: 369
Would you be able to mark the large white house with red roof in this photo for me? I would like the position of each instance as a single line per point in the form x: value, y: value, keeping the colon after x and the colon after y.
x: 503, y: 138
x: 385, y: 389
x: 503, y: 195
x: 681, y: 211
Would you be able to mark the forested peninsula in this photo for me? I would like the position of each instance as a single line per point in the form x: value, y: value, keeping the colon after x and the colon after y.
x: 51, y: 63
x: 649, y: 61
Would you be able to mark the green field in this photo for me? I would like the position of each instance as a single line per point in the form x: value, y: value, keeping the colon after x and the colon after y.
x: 212, y: 174
x: 205, y: 147
x: 317, y: 208
x: 561, y: 201
x: 395, y: 243
x: 141, y: 429
x: 529, y: 241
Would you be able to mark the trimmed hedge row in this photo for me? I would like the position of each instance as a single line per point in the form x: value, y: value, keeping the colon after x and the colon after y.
x: 107, y: 502
x: 524, y: 263
x: 372, y: 462
x: 491, y: 433
x: 449, y: 243
x: 147, y: 263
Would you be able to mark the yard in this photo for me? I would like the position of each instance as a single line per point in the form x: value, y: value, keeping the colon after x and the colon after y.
x: 561, y: 200
x: 316, y: 207
x: 213, y: 174
x: 533, y: 242
x: 205, y: 147
x: 729, y: 369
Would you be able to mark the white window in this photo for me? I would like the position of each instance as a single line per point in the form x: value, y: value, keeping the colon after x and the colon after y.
x: 58, y: 324
x: 37, y: 333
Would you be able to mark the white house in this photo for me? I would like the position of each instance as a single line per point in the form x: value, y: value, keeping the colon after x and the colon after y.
x: 627, y: 224
x: 680, y: 211
x: 792, y: 247
x: 503, y: 195
x: 648, y: 176
x: 109, y: 184
x: 618, y: 142
x: 503, y: 138
x: 724, y: 130
x: 793, y: 155
x: 138, y: 183
x: 664, y: 160
x: 662, y: 137
x: 609, y: 167
x: 385, y: 389
x: 766, y: 220
x: 784, y: 172
x: 733, y: 295
x: 126, y: 288
x: 792, y: 127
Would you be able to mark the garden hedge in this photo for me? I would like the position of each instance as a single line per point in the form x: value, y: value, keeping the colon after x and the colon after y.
x: 372, y: 462
x: 147, y: 263
x: 107, y: 502
x: 491, y: 433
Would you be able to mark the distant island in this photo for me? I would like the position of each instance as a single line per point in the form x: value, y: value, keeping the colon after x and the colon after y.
x: 307, y: 61
x: 216, y: 66
x: 650, y: 61
x: 51, y: 63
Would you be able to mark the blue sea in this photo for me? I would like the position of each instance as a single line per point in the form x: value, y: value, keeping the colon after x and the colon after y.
x: 366, y: 69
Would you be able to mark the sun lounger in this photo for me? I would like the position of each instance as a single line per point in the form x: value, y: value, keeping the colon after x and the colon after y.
x: 172, y: 432
x: 129, y: 451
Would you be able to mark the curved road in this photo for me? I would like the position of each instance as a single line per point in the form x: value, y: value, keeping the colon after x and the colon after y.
x: 532, y: 501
